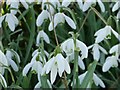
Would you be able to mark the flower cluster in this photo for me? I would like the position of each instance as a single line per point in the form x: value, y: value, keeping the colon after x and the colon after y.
x: 29, y: 30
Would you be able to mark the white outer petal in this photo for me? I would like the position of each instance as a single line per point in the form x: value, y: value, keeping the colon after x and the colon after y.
x: 116, y: 34
x: 38, y: 85
x: 60, y: 62
x: 67, y: 67
x: 24, y: 3
x: 13, y: 65
x: 110, y: 62
x: 96, y: 52
x: 115, y: 48
x: 83, y: 48
x: 102, y: 49
x: 80, y: 3
x: 3, y: 59
x: 66, y: 3
x: 116, y: 6
x: 70, y: 22
x: 81, y: 77
x: 1, y: 20
x: 87, y: 4
x: 101, y: 5
x: 3, y: 81
x: 81, y: 63
x: 98, y: 81
x: 26, y: 68
x: 41, y: 17
x: 53, y: 74
x: 118, y: 16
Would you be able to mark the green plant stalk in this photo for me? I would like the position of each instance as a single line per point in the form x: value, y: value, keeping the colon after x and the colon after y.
x: 89, y: 76
x: 32, y: 33
x: 75, y: 72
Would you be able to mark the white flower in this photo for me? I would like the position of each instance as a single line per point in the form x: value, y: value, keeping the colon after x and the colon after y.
x: 55, y: 3
x: 88, y: 3
x: 105, y: 33
x: 3, y: 62
x: 15, y: 4
x: 10, y: 19
x: 96, y: 80
x: 61, y: 18
x: 3, y: 81
x: 68, y: 47
x: 112, y: 61
x: 96, y: 51
x: 66, y: 3
x: 56, y: 64
x: 10, y: 54
x: 41, y: 17
x: 43, y: 35
x: 116, y: 6
x: 35, y: 64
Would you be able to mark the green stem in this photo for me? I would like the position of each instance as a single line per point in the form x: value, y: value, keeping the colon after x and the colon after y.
x: 75, y: 76
x: 99, y: 15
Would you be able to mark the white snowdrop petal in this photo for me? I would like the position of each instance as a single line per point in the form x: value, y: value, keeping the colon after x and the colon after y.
x: 41, y: 17
x: 24, y: 3
x: 89, y: 47
x: 116, y: 6
x: 118, y: 17
x: 81, y: 77
x: 45, y: 36
x: 49, y: 64
x: 26, y: 68
x: 101, y: 5
x: 53, y: 74
x: 60, y: 62
x: 96, y: 52
x: 83, y: 48
x: 3, y: 59
x: 70, y: 22
x: 38, y: 85
x: 80, y: 3
x: 116, y: 34
x: 115, y: 48
x: 81, y: 63
x: 1, y: 20
x: 13, y: 65
x: 66, y: 3
x: 67, y: 67
x: 3, y: 81
x: 98, y: 81
x: 87, y: 4
x: 110, y: 61
x: 103, y: 50
x: 50, y: 28
x: 58, y: 18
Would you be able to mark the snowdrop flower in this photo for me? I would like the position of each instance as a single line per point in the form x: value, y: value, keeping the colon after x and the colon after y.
x: 61, y: 18
x: 112, y: 61
x: 105, y: 33
x: 88, y: 3
x: 43, y: 35
x: 35, y: 64
x: 3, y: 81
x: 96, y: 48
x: 55, y: 3
x: 41, y: 17
x: 15, y: 4
x: 116, y: 7
x: 68, y: 47
x: 66, y: 3
x: 3, y: 62
x: 10, y: 19
x: 56, y: 64
x: 10, y: 54
x: 96, y: 80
